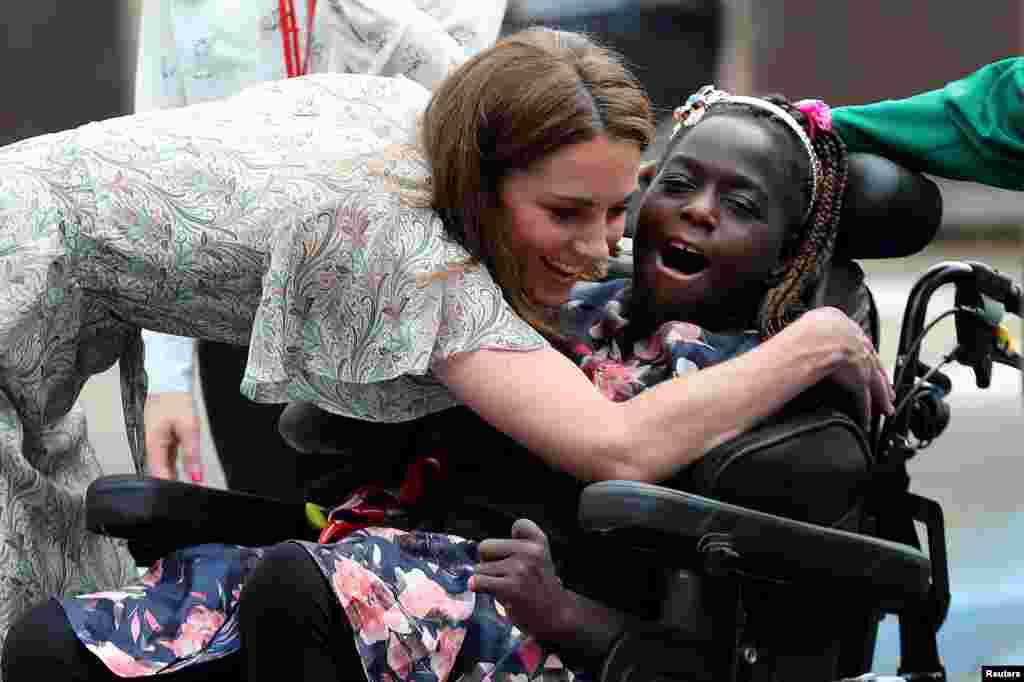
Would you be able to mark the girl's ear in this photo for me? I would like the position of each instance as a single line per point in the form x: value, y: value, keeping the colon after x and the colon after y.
x: 647, y: 172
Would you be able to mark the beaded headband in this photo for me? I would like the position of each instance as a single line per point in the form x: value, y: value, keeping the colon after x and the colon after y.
x: 818, y: 112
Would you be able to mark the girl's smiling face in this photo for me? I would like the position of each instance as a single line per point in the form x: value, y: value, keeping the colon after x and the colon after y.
x: 712, y: 222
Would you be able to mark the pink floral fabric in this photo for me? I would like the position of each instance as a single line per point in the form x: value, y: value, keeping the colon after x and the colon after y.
x: 406, y: 596
x: 597, y: 319
x: 183, y: 611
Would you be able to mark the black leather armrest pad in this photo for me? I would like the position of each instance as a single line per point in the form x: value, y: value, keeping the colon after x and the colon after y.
x: 179, y: 514
x: 769, y: 545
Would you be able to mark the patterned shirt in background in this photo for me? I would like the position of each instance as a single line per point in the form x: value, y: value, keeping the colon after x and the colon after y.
x: 193, y: 51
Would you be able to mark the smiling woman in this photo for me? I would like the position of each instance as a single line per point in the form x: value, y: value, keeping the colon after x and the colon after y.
x: 507, y: 126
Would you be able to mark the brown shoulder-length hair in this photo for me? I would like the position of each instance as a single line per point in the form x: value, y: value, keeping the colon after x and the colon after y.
x: 531, y: 94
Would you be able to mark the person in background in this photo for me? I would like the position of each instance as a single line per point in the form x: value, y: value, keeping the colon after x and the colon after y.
x: 970, y: 129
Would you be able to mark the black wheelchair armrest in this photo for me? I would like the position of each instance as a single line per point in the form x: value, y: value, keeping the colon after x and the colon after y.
x: 161, y: 516
x: 660, y: 519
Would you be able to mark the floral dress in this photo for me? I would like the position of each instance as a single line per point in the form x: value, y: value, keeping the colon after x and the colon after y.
x: 406, y: 596
x: 405, y: 593
x: 596, y: 319
x: 291, y: 218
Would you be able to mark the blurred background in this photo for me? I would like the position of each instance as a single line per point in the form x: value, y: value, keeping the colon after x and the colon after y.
x: 64, y: 63
x: 67, y: 62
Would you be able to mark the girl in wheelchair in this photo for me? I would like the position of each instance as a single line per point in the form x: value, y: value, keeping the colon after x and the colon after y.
x: 735, y: 227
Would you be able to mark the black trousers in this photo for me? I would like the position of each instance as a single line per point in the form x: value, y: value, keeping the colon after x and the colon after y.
x: 254, y: 457
x: 289, y: 618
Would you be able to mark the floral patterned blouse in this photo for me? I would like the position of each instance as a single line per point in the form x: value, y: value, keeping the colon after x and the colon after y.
x: 596, y: 320
x: 405, y: 593
x: 291, y: 217
x: 194, y: 51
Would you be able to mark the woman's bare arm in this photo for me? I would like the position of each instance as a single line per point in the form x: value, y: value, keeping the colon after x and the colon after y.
x: 542, y: 400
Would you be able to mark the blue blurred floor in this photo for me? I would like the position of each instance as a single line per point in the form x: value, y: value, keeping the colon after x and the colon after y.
x: 985, y: 624
x: 975, y: 470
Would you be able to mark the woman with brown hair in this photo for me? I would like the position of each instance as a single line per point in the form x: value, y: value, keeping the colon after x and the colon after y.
x: 193, y: 51
x: 424, y: 276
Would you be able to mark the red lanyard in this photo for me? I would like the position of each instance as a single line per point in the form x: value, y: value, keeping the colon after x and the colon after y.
x: 293, y: 62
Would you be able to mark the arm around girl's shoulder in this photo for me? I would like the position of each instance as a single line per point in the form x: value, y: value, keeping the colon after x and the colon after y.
x: 541, y: 399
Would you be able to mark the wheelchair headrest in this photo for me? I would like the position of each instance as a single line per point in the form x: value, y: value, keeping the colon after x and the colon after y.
x: 888, y: 211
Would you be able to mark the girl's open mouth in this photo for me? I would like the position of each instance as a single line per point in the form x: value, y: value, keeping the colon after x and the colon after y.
x: 683, y: 258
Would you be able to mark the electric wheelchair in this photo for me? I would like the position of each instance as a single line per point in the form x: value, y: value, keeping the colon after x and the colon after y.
x: 772, y: 558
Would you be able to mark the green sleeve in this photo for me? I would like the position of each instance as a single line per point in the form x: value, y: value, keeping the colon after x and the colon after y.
x: 972, y: 129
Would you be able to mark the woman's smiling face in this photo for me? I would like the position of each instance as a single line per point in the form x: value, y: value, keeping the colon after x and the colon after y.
x: 562, y: 214
x: 712, y: 222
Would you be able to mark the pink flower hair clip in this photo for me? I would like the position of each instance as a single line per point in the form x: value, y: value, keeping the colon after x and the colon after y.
x: 818, y: 113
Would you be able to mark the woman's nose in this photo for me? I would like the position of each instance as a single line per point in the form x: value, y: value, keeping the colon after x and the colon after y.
x: 595, y: 241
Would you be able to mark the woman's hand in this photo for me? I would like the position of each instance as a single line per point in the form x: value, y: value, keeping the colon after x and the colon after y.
x: 519, y: 573
x: 172, y: 422
x: 857, y: 366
